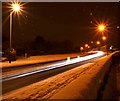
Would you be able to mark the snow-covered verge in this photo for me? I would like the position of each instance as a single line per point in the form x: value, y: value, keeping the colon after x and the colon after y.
x: 81, y: 82
x: 38, y: 59
x: 88, y: 84
x: 118, y: 81
x: 48, y: 87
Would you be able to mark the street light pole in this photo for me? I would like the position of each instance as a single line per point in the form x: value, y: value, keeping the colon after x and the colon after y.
x: 11, y: 54
x: 16, y: 7
x: 10, y: 30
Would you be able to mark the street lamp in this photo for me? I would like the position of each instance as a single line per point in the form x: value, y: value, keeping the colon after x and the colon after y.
x: 81, y: 48
x: 15, y: 7
x: 11, y: 53
x: 91, y: 42
x: 98, y: 42
x: 101, y: 27
x: 104, y: 38
x: 86, y: 45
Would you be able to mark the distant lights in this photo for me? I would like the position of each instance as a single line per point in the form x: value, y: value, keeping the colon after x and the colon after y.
x: 111, y: 47
x: 86, y: 45
x: 92, y: 42
x: 98, y: 42
x: 118, y: 27
x: 91, y: 13
x: 91, y: 21
x: 103, y: 38
x: 81, y: 48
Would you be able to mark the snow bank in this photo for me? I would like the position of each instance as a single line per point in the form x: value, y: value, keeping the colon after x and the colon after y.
x: 87, y: 85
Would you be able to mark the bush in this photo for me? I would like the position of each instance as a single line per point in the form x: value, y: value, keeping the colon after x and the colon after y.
x: 10, y: 54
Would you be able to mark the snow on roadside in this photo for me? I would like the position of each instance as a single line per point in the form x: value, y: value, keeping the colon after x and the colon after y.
x: 48, y: 88
x: 37, y: 59
x: 87, y: 85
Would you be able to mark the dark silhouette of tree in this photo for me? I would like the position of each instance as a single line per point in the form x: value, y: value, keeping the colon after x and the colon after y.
x: 39, y: 39
x: 38, y: 45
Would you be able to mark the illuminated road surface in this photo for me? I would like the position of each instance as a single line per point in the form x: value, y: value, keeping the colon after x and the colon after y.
x: 24, y: 72
x: 18, y: 78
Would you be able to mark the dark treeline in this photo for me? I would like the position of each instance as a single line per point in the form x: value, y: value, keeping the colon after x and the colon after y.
x: 40, y: 46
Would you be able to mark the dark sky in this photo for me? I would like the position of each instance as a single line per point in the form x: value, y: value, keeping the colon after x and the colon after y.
x: 62, y: 21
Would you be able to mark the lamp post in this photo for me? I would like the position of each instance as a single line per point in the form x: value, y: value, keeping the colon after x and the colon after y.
x: 15, y: 8
x: 10, y: 30
x: 104, y: 38
x: 98, y: 42
x: 11, y: 53
x: 105, y: 42
x: 81, y: 48
x: 86, y: 46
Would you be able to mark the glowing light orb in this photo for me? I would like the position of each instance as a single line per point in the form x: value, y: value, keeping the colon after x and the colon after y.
x: 101, y: 27
x: 98, y: 42
x: 104, y: 38
x: 16, y: 7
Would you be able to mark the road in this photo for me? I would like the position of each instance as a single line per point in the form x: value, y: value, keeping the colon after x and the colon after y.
x: 18, y: 78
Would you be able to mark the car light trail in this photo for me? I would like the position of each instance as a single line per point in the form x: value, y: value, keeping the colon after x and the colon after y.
x: 56, y: 65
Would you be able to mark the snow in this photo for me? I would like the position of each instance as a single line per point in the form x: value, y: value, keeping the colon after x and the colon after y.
x: 47, y: 88
x: 86, y: 85
x: 81, y: 82
x: 37, y: 59
x: 72, y: 84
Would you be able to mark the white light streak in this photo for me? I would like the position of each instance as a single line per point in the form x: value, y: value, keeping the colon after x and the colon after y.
x: 57, y: 65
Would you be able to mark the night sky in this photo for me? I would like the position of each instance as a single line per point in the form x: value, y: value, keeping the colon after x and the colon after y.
x: 62, y: 21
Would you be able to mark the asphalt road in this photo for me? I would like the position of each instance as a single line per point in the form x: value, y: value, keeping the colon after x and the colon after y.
x: 14, y: 82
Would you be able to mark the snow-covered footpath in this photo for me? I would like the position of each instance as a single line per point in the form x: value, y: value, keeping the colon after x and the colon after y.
x: 81, y: 82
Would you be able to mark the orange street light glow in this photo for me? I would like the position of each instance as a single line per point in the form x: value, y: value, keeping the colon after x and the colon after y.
x: 98, y: 42
x: 92, y: 42
x: 101, y: 27
x: 86, y: 45
x: 16, y: 7
x: 81, y: 48
x: 104, y: 38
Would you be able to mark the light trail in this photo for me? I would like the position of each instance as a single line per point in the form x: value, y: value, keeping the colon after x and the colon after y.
x: 56, y: 65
